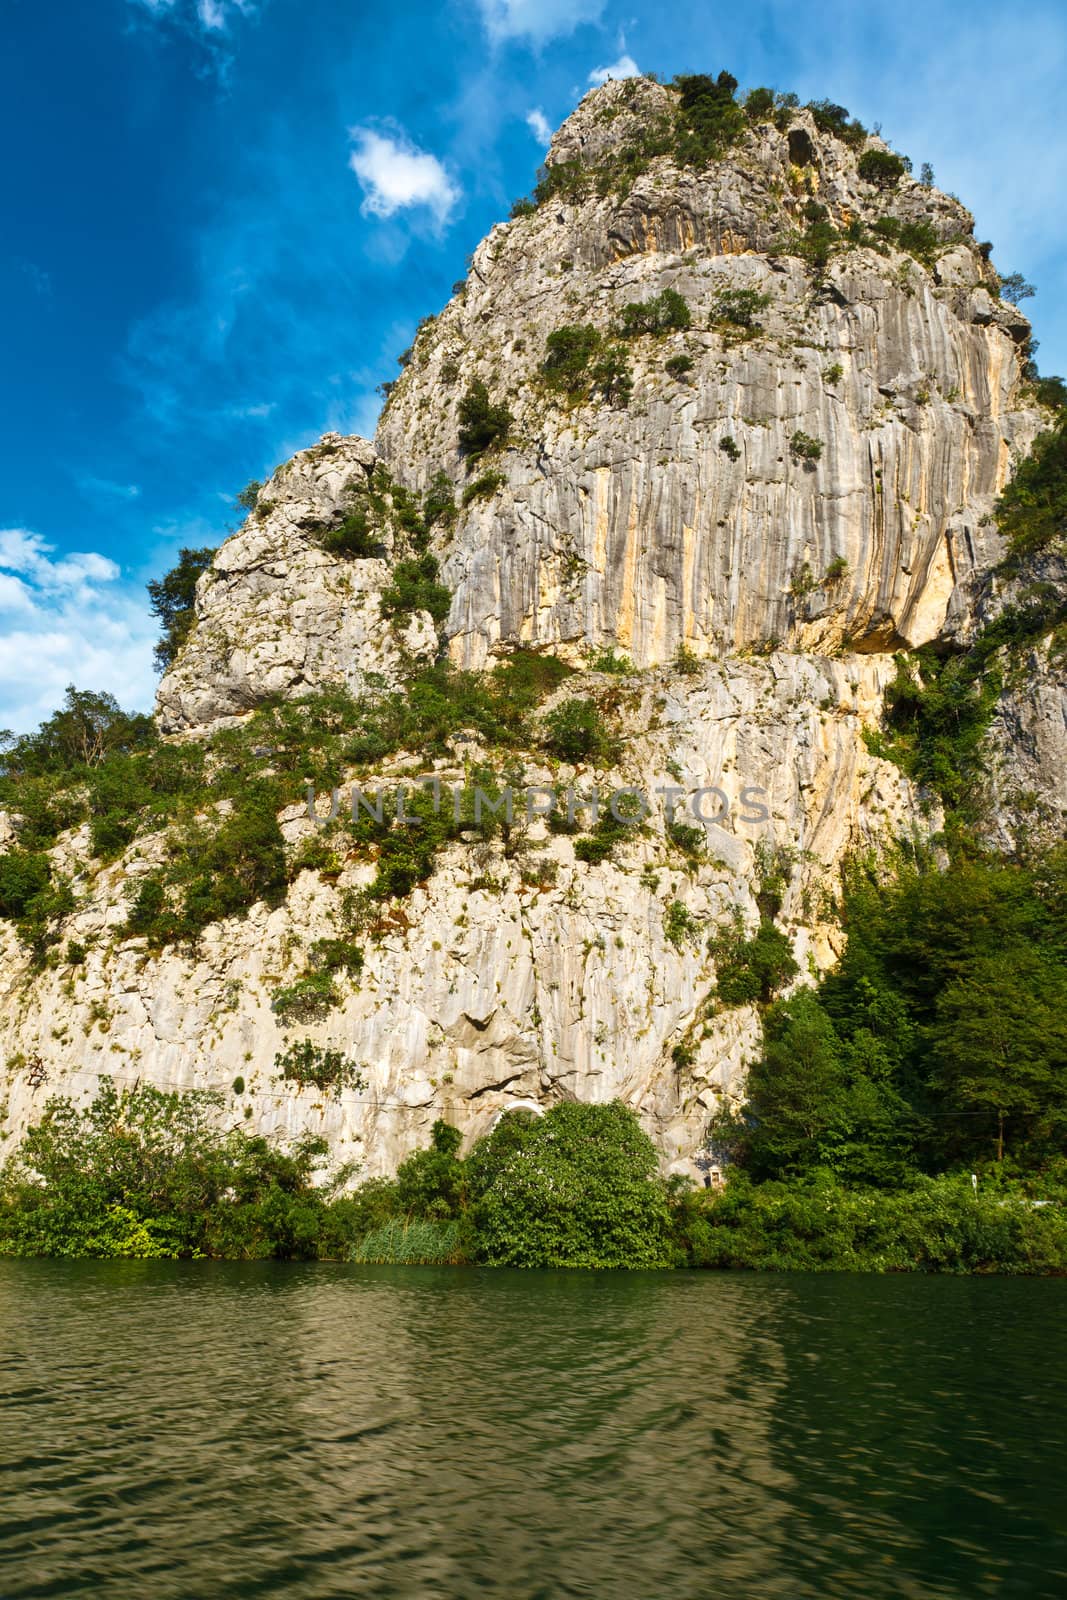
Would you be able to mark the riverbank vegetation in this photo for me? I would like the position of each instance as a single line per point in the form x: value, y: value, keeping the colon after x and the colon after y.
x: 144, y: 1174
x: 148, y: 1174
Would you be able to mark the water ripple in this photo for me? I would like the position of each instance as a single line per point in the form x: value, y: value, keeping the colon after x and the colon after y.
x: 223, y: 1431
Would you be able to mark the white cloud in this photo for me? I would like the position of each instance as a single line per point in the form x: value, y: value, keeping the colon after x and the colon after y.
x: 539, y: 126
x: 536, y: 20
x: 396, y: 175
x: 67, y: 619
x: 625, y: 67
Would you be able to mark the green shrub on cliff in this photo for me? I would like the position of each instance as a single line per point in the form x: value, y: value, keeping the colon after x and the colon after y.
x: 24, y: 876
x: 353, y: 537
x: 575, y: 731
x: 173, y: 600
x: 415, y: 588
x: 832, y: 118
x: 752, y: 971
x: 666, y: 312
x: 482, y: 425
x: 1032, y: 512
x: 319, y: 1067
x: 738, y: 309
x: 568, y: 352
x: 709, y: 119
x: 882, y: 168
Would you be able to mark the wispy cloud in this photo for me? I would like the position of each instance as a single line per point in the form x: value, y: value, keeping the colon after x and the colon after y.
x: 539, y: 126
x: 396, y: 175
x: 67, y: 619
x: 214, y: 16
x: 106, y: 489
x: 625, y: 67
x: 537, y: 20
x: 39, y: 280
x: 264, y: 409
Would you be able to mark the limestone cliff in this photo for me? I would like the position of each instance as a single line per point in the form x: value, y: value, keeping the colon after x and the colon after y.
x: 787, y: 484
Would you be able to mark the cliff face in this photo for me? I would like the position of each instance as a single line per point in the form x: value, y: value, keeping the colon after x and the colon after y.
x: 1026, y: 749
x: 277, y: 614
x: 518, y: 973
x: 630, y: 524
x: 633, y: 525
x: 793, y: 486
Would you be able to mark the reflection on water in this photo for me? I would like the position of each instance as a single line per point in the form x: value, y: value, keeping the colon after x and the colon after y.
x: 213, y: 1431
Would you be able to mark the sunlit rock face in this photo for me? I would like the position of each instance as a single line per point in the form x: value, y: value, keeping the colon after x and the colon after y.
x: 514, y: 974
x: 633, y: 524
x: 791, y: 501
x: 277, y: 614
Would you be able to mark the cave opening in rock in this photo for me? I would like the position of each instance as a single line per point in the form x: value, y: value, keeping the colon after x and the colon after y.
x: 801, y: 149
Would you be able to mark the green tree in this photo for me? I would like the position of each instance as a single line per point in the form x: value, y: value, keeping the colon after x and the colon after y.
x: 815, y: 1101
x: 568, y: 352
x: 709, y: 120
x: 353, y: 537
x: 612, y: 375
x: 415, y: 587
x: 1032, y: 511
x: 882, y: 168
x: 87, y: 729
x: 24, y: 876
x: 1014, y: 287
x: 832, y: 118
x: 999, y: 1040
x: 752, y: 971
x: 575, y: 731
x: 142, y: 1172
x: 666, y: 312
x: 575, y: 1188
x: 173, y: 600
x: 249, y: 496
x: 431, y: 1184
x: 236, y: 864
x: 740, y: 307
x: 759, y: 104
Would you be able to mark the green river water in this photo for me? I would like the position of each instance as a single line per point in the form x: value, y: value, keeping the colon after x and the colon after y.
x: 208, y: 1430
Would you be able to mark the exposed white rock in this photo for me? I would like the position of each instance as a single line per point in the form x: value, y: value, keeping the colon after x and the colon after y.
x: 631, y: 524
x: 524, y: 976
x: 278, y: 615
x: 519, y: 976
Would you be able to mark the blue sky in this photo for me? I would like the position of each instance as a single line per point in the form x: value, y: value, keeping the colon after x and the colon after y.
x: 223, y: 219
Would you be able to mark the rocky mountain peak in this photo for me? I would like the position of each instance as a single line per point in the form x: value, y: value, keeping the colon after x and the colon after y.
x: 717, y: 423
x: 804, y: 446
